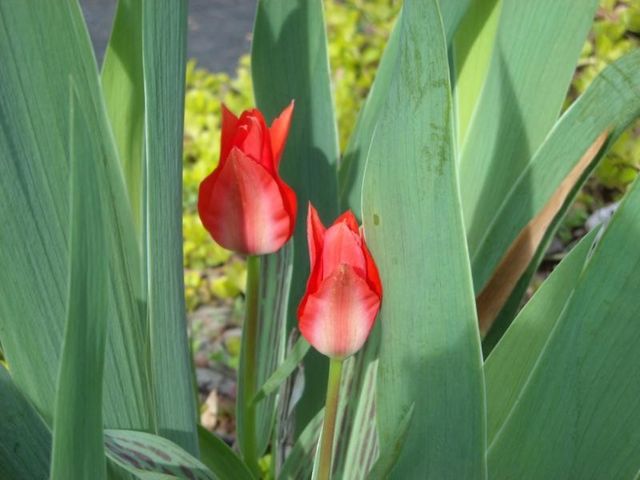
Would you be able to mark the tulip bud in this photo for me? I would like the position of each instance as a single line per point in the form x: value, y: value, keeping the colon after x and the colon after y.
x: 243, y: 203
x: 344, y: 290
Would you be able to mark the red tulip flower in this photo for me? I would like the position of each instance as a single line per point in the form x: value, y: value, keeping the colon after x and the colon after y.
x: 243, y: 203
x: 344, y: 290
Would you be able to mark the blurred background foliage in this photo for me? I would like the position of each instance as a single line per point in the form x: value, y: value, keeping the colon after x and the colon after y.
x: 358, y: 31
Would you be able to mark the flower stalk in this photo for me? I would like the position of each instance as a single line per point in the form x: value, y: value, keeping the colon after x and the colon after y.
x: 330, y: 413
x: 248, y: 366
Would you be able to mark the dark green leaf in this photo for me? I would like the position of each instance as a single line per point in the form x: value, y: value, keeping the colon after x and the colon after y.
x: 25, y: 440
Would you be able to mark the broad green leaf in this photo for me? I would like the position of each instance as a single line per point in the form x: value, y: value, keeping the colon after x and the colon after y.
x: 535, y: 53
x: 123, y: 88
x: 612, y: 102
x: 34, y: 194
x: 472, y: 49
x: 289, y: 62
x: 578, y: 415
x: 140, y: 453
x: 430, y: 349
x: 507, y: 369
x: 25, y: 446
x: 353, y: 163
x: 299, y: 463
x: 220, y: 459
x: 286, y: 368
x: 78, y: 451
x: 164, y: 26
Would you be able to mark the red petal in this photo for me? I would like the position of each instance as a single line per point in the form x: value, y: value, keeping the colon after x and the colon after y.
x: 373, y: 276
x: 337, y: 318
x: 229, y: 126
x: 342, y: 246
x: 279, y: 131
x: 253, y: 140
x: 349, y: 219
x: 240, y: 204
x: 315, y: 233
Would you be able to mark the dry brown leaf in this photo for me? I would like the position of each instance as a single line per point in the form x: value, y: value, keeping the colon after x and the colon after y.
x: 515, y: 262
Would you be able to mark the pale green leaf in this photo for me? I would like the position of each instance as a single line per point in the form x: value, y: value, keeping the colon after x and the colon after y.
x: 123, y: 88
x: 34, y: 194
x: 611, y: 103
x: 471, y: 52
x: 535, y: 53
x: 578, y: 416
x: 430, y: 349
x: 506, y: 370
x: 164, y: 27
x: 78, y: 451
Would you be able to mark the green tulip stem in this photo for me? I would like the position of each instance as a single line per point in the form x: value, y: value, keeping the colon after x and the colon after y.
x: 330, y: 412
x: 248, y: 374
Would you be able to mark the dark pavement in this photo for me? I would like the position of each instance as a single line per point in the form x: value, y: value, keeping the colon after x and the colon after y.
x: 218, y: 29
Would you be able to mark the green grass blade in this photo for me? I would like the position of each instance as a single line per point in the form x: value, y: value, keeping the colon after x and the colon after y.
x: 78, y: 451
x: 34, y: 259
x: 612, y: 102
x: 521, y: 99
x: 299, y: 463
x: 507, y: 368
x: 142, y: 453
x: 579, y: 413
x: 286, y: 368
x: 25, y: 448
x: 123, y: 88
x: 289, y: 61
x: 275, y: 284
x: 164, y: 41
x: 430, y: 348
x: 356, y: 447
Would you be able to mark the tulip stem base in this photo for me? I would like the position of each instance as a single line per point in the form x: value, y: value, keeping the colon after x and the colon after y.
x: 330, y: 413
x: 247, y: 370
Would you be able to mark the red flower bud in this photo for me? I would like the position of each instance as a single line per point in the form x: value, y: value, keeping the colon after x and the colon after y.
x: 344, y: 290
x: 243, y: 203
